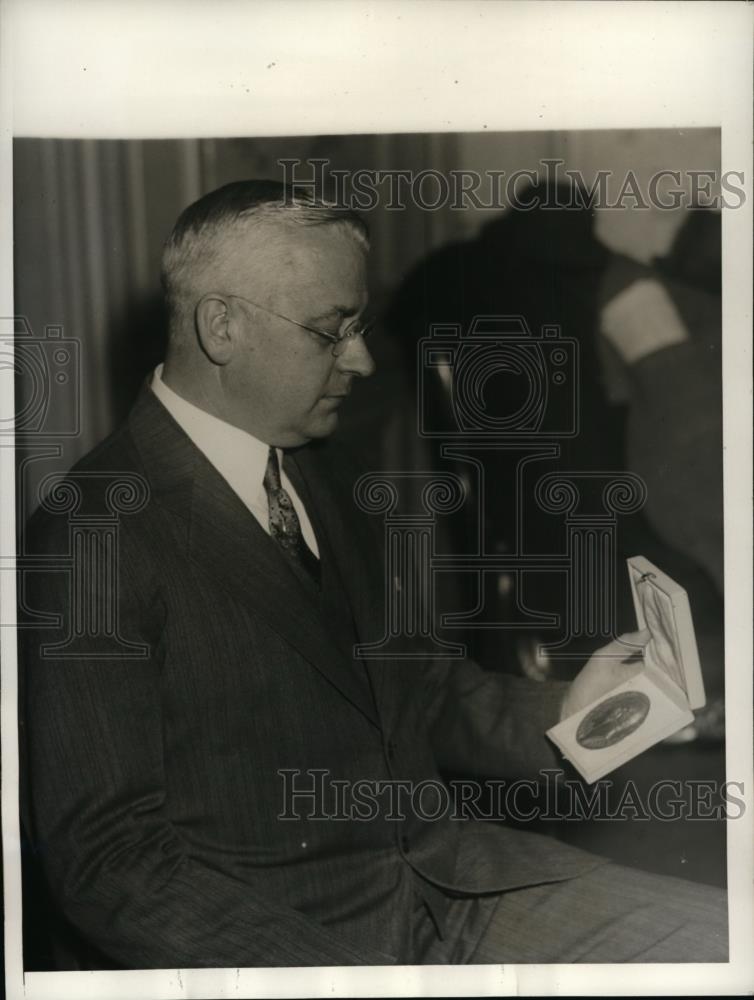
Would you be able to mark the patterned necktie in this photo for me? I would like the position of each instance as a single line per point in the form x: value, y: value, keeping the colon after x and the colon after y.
x: 284, y: 523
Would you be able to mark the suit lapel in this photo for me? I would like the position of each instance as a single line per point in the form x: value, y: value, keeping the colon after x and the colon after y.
x: 228, y: 543
x: 337, y: 520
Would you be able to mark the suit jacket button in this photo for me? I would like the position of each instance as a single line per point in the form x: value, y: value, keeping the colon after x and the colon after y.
x: 405, y: 845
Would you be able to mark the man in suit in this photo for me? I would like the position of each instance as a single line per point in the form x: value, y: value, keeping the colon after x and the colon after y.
x: 172, y: 777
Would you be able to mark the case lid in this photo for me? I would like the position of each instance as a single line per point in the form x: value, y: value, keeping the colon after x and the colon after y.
x: 662, y: 606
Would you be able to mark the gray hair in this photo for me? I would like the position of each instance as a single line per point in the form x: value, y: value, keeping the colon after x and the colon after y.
x: 203, y: 229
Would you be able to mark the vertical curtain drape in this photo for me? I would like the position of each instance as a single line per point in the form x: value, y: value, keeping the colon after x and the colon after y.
x: 89, y: 220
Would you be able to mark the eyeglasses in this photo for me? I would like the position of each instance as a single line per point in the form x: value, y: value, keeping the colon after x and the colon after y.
x: 337, y: 341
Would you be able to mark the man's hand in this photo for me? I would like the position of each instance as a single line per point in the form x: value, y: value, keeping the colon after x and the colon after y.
x: 604, y: 670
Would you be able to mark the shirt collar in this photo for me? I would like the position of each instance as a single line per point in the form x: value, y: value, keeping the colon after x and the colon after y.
x: 239, y: 457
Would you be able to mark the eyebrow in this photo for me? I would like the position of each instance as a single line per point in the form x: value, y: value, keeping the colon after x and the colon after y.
x: 345, y: 312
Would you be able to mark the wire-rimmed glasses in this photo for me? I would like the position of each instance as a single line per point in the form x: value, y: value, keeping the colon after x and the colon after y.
x: 337, y: 341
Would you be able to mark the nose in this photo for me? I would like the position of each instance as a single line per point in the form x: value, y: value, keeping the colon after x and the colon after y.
x: 355, y: 358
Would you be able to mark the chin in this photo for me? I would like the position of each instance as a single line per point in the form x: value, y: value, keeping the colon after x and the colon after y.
x: 322, y: 428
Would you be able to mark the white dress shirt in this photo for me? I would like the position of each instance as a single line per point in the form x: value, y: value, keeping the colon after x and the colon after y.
x: 239, y: 458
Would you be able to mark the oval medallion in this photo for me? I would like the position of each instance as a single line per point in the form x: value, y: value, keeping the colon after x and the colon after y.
x: 612, y: 720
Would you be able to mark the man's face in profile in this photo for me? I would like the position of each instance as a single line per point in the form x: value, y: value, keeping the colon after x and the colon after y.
x: 286, y: 380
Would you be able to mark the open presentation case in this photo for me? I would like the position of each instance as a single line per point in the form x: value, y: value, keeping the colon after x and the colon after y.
x: 655, y: 703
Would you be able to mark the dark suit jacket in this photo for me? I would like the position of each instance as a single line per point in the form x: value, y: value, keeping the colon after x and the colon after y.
x: 153, y: 784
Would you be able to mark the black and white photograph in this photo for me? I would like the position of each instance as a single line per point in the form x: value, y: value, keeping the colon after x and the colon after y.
x: 376, y: 495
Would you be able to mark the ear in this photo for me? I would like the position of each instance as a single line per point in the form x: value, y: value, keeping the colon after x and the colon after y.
x: 213, y: 325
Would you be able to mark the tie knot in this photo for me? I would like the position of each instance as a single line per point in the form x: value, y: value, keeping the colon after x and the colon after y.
x: 272, y: 472
x: 284, y: 524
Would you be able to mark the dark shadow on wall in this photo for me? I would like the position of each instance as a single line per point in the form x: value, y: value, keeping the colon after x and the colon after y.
x: 139, y: 340
x: 543, y: 267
